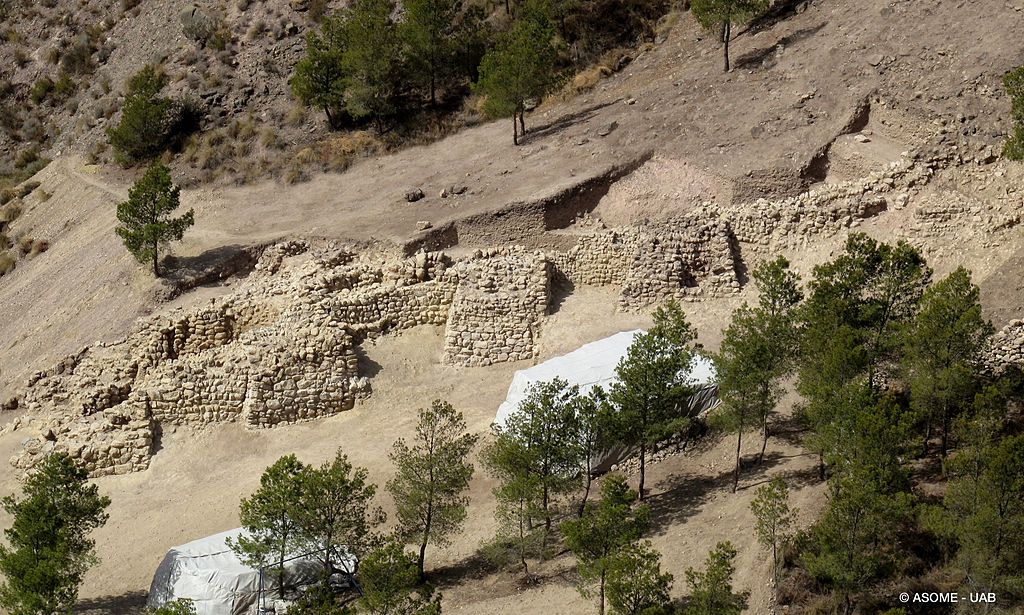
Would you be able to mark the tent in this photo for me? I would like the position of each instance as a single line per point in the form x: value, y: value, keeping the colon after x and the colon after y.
x: 593, y: 365
x: 209, y: 573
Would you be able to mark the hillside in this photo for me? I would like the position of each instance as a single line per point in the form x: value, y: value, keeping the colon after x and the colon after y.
x: 882, y: 117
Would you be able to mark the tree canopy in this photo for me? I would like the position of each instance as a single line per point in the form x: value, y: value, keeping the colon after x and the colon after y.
x: 431, y: 478
x: 146, y: 225
x: 49, y: 547
x: 520, y: 66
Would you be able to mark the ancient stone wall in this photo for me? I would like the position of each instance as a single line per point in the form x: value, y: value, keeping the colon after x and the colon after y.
x: 1006, y: 347
x: 499, y: 302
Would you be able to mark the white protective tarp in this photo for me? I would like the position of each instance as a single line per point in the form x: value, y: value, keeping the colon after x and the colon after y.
x: 593, y: 365
x: 209, y: 573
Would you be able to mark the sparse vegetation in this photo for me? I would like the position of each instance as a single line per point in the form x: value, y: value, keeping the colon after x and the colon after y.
x: 1013, y: 81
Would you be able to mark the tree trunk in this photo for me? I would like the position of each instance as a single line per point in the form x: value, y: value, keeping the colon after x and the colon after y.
x: 764, y: 442
x: 726, y: 35
x: 927, y: 434
x: 736, y: 472
x: 586, y: 494
x: 156, y: 261
x: 601, y: 591
x: 821, y: 466
x: 522, y: 122
x: 280, y: 574
x: 433, y: 88
x: 508, y: 8
x: 643, y: 469
x: 515, y: 130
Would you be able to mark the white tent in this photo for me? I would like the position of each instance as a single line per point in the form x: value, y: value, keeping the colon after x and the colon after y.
x: 209, y: 573
x: 594, y: 364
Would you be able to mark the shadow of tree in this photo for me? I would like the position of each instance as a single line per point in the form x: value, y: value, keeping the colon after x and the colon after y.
x: 682, y: 495
x: 211, y: 266
x: 558, y: 125
x: 127, y: 604
x: 755, y: 59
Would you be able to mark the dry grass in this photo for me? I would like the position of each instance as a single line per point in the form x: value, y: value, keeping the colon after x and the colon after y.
x: 6, y: 263
x: 38, y: 247
x: 25, y: 244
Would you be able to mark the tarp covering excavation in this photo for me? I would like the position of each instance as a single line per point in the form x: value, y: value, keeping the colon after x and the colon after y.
x: 209, y: 573
x: 593, y: 365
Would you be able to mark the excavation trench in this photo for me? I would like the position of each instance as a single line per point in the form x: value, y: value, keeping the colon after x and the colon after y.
x: 526, y: 223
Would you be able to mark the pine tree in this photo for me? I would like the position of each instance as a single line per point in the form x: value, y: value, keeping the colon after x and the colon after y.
x: 521, y: 66
x: 651, y: 390
x: 431, y: 478
x: 854, y: 541
x: 149, y: 122
x: 598, y: 536
x: 268, y: 517
x: 320, y: 79
x: 720, y: 16
x: 536, y: 451
x: 635, y: 583
x: 711, y: 589
x: 593, y: 432
x: 943, y: 347
x: 372, y: 60
x: 773, y: 519
x: 334, y: 511
x: 852, y: 321
x: 48, y: 547
x: 145, y: 219
x: 430, y: 32
x: 756, y: 353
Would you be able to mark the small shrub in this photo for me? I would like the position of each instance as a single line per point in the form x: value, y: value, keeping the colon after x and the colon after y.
x: 38, y: 247
x: 52, y: 55
x: 6, y: 263
x: 44, y: 196
x: 25, y: 244
x: 26, y: 157
x: 77, y: 59
x: 6, y: 195
x: 41, y: 89
x: 127, y: 5
x: 10, y: 213
x: 296, y: 116
x: 5, y: 242
x: 64, y: 87
x: 27, y: 188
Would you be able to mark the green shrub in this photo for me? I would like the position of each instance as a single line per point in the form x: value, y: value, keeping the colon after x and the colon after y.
x: 41, y: 89
x: 64, y: 87
x: 27, y: 188
x: 77, y: 59
x: 1014, y: 83
x: 150, y: 123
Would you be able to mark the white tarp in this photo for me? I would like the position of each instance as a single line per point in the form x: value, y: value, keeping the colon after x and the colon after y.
x: 594, y: 364
x: 588, y: 366
x: 209, y: 573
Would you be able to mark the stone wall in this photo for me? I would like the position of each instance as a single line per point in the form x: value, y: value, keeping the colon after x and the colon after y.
x: 1006, y: 347
x: 500, y: 299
